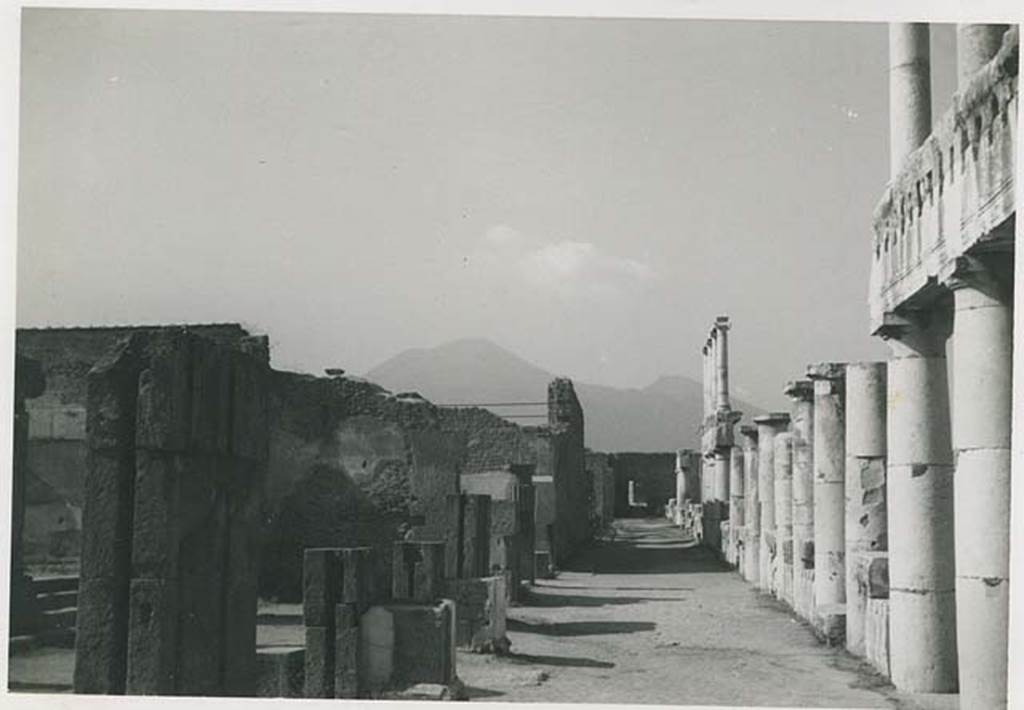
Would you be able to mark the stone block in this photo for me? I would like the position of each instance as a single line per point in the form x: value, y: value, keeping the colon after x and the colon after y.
x: 157, y: 513
x: 107, y: 515
x: 212, y: 396
x: 453, y: 536
x: 319, y: 662
x: 504, y: 518
x: 165, y: 408
x: 476, y: 536
x: 830, y: 624
x: 249, y: 403
x: 424, y: 651
x: 152, y: 637
x: 480, y: 613
x: 111, y: 393
x: 321, y: 584
x: 359, y: 576
x: 280, y: 672
x: 346, y: 652
x: 101, y: 638
x: 241, y: 588
x: 377, y: 644
x: 543, y: 567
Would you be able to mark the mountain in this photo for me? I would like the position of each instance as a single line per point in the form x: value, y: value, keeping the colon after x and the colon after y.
x: 662, y: 416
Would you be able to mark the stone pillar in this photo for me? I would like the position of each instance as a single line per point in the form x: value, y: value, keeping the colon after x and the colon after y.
x: 783, y: 466
x: 919, y: 488
x: 910, y: 113
x: 752, y: 514
x: 982, y: 401
x: 721, y: 363
x: 866, y: 530
x: 722, y: 475
x: 975, y: 46
x: 29, y: 383
x: 706, y: 377
x: 801, y: 392
x: 768, y: 425
x: 829, y: 492
x: 737, y: 512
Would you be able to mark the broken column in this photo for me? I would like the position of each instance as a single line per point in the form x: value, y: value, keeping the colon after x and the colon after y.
x: 801, y: 392
x: 783, y: 464
x: 910, y: 113
x: 982, y: 400
x: 919, y: 488
x: 176, y: 429
x: 752, y: 514
x: 768, y: 426
x: 829, y: 499
x: 866, y: 520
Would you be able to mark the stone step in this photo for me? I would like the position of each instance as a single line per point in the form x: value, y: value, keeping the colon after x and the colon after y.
x: 57, y: 600
x: 52, y: 585
x: 63, y: 618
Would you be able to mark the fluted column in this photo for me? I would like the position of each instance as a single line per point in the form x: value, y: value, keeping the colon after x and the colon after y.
x: 801, y: 392
x: 829, y: 496
x: 982, y: 389
x: 783, y: 466
x: 752, y: 515
x: 919, y: 488
x: 975, y: 46
x: 910, y: 112
x: 768, y: 425
x: 705, y: 362
x: 866, y: 519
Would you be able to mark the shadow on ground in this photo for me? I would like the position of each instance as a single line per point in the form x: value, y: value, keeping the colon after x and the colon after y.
x: 580, y: 628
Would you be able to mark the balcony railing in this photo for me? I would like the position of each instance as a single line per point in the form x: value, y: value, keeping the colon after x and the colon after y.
x: 952, y: 192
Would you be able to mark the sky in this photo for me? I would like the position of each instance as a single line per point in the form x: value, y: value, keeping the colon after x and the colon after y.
x: 587, y: 193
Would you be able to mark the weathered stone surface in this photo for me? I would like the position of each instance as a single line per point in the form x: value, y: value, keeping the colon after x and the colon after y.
x: 418, y: 571
x: 377, y: 648
x: 476, y: 540
x: 543, y: 569
x: 319, y: 662
x: 876, y: 634
x: 423, y: 646
x: 346, y: 651
x: 156, y: 532
x: 152, y: 637
x: 101, y: 639
x: 358, y: 576
x: 321, y: 584
x: 107, y: 514
x: 165, y: 407
x: 480, y: 613
x: 280, y: 672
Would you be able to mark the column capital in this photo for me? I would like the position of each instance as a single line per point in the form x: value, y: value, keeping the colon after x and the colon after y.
x: 773, y: 419
x: 985, y: 273
x: 722, y: 323
x: 749, y: 432
x: 800, y: 390
x: 826, y: 371
x: 919, y: 332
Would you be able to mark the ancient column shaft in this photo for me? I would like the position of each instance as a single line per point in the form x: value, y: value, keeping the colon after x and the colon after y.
x: 722, y: 364
x: 829, y: 492
x: 919, y: 489
x: 982, y: 389
x: 802, y: 428
x: 768, y: 426
x: 783, y: 465
x: 866, y: 520
x: 737, y: 511
x: 975, y: 46
x: 910, y: 113
x: 722, y: 475
x: 752, y: 514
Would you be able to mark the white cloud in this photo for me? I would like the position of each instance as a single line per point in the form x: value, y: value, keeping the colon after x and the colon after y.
x: 569, y: 269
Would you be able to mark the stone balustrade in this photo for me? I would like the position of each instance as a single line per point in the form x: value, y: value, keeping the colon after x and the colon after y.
x: 952, y: 192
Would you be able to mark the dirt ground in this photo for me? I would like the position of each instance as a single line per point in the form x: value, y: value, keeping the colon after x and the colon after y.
x: 644, y: 616
x: 648, y: 617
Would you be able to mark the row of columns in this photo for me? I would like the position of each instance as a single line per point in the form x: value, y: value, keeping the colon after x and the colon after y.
x: 716, y: 368
x: 947, y: 461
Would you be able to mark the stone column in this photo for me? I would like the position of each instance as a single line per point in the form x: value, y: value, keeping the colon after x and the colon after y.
x: 737, y: 512
x: 722, y: 475
x: 975, y: 46
x: 768, y: 425
x: 829, y: 496
x: 866, y: 532
x: 721, y: 363
x: 801, y: 392
x: 706, y: 382
x: 982, y: 401
x: 783, y: 465
x: 919, y: 488
x: 752, y: 514
x: 910, y: 113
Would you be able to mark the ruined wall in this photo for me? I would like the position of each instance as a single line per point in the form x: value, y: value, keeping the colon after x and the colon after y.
x: 602, y: 490
x: 654, y: 476
x: 350, y: 465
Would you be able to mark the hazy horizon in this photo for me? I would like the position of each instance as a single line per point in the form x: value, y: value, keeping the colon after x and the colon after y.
x: 586, y: 193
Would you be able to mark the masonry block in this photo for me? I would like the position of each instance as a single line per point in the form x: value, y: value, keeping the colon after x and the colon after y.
x: 476, y: 536
x: 101, y: 639
x: 346, y: 651
x: 830, y: 624
x: 280, y: 672
x: 424, y: 650
x: 480, y: 613
x: 359, y: 576
x: 321, y: 584
x: 543, y: 567
x: 153, y: 637
x: 418, y: 571
x: 876, y: 634
x: 319, y: 662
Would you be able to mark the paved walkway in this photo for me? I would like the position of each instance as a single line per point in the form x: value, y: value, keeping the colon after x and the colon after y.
x: 649, y: 617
